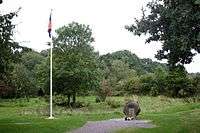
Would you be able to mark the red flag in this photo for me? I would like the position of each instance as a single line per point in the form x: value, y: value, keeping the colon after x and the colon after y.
x: 49, y: 26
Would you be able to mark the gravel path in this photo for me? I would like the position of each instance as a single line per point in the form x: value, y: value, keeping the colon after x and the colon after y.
x: 108, y: 126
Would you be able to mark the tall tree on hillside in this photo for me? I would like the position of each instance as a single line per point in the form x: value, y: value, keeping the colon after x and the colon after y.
x: 76, y: 68
x: 8, y: 47
x: 119, y: 74
x: 175, y: 23
x: 24, y: 81
x: 31, y: 59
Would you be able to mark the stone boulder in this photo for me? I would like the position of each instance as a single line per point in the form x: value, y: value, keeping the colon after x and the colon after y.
x: 131, y: 110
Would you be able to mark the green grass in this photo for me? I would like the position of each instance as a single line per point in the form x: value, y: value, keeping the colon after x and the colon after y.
x: 30, y: 117
x: 179, y: 119
x: 170, y: 115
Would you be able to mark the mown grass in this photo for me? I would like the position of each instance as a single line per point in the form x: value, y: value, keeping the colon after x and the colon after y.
x: 179, y: 119
x: 170, y: 115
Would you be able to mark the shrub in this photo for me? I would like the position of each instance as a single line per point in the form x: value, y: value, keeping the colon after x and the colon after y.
x: 154, y: 91
x: 195, y: 99
x: 6, y: 91
x: 113, y: 103
x: 98, y: 99
x: 104, y: 91
x: 60, y: 100
x: 178, y: 83
x: 79, y: 104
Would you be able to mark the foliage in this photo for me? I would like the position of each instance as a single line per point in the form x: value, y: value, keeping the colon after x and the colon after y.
x: 194, y: 99
x: 75, y: 62
x: 9, y: 49
x: 33, y: 62
x: 125, y: 73
x: 117, y: 74
x: 179, y: 84
x: 148, y: 84
x: 112, y: 103
x: 98, y: 99
x: 32, y: 59
x: 141, y: 66
x: 23, y: 80
x: 132, y: 85
x: 196, y: 83
x: 103, y: 91
x: 175, y: 24
x: 42, y: 75
x: 6, y: 91
x: 60, y: 100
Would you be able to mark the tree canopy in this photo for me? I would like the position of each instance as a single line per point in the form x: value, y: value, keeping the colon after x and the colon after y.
x: 75, y: 67
x: 6, y: 43
x: 141, y: 66
x: 176, y: 24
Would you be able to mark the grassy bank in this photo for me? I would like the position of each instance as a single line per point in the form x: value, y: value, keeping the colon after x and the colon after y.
x: 170, y: 115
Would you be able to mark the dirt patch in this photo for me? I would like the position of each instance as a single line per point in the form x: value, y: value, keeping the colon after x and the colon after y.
x: 108, y: 126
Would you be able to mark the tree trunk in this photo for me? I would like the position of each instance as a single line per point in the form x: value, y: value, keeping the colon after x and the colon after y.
x: 27, y: 97
x: 68, y: 99
x: 74, y: 98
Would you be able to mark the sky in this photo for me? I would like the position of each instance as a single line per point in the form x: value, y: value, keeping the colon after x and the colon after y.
x: 106, y: 18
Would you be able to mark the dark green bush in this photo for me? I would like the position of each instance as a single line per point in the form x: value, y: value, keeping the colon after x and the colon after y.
x: 60, y: 100
x: 79, y: 104
x: 195, y: 99
x: 154, y: 91
x: 178, y: 83
x: 104, y: 91
x: 98, y: 99
x: 112, y: 103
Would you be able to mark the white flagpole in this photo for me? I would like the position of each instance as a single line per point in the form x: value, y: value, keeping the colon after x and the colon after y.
x: 50, y: 102
x: 50, y: 116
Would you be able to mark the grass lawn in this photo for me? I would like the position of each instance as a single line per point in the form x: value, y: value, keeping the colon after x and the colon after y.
x: 170, y: 115
x: 179, y: 119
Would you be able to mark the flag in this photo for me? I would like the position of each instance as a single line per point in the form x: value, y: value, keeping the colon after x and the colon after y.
x: 49, y: 26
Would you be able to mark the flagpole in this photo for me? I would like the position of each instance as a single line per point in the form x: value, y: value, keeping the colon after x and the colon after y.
x: 50, y: 102
x: 51, y: 116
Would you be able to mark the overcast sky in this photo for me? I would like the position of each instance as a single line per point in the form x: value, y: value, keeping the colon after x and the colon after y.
x: 106, y: 18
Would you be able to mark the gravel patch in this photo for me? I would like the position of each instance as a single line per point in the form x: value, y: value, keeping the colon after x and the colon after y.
x: 108, y: 126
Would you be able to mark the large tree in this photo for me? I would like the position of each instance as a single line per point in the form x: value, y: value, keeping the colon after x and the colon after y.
x: 8, y: 47
x: 24, y: 81
x: 176, y: 24
x: 75, y: 62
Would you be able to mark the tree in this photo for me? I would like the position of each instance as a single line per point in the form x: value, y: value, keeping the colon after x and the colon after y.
x: 175, y: 23
x: 119, y: 74
x: 148, y: 84
x: 141, y: 66
x: 160, y: 80
x: 33, y: 62
x: 32, y: 59
x: 196, y: 83
x: 42, y: 75
x: 9, y: 52
x: 75, y: 62
x: 24, y: 81
x: 178, y: 83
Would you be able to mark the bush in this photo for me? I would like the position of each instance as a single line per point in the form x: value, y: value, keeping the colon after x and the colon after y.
x: 113, y: 103
x: 79, y: 104
x: 60, y: 100
x: 195, y: 99
x: 178, y: 83
x: 98, y: 99
x: 154, y: 91
x: 147, y: 82
x: 104, y: 91
x: 6, y: 91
